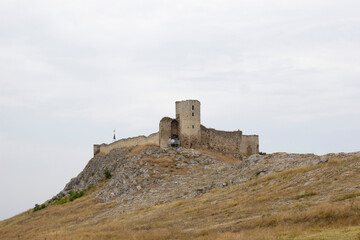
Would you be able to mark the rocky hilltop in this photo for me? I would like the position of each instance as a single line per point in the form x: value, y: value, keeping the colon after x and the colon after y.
x: 147, y: 192
x: 149, y: 175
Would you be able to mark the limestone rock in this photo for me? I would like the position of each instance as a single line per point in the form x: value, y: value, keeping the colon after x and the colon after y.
x: 154, y: 175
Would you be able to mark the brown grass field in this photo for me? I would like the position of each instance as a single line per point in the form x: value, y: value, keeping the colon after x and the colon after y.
x: 276, y: 206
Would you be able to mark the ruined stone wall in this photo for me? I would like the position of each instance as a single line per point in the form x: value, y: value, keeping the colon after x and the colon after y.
x: 96, y: 149
x: 188, y: 117
x: 250, y: 144
x: 164, y: 131
x: 128, y: 142
x: 221, y: 140
x: 190, y: 133
x: 230, y: 142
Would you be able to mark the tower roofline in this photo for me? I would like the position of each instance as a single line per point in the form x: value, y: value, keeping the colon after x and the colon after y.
x: 188, y: 100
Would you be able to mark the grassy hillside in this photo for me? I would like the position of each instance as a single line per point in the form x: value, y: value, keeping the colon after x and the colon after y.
x: 303, y: 202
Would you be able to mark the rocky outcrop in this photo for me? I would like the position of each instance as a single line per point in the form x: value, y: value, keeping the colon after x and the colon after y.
x: 151, y: 175
x: 152, y: 170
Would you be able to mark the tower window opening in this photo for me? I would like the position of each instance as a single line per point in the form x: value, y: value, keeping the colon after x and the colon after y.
x: 192, y: 126
x: 192, y: 114
x: 192, y: 107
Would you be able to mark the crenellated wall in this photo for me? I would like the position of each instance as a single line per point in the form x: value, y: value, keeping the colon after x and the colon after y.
x: 127, y: 142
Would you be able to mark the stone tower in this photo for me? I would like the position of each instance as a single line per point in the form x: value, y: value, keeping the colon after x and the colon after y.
x: 188, y: 117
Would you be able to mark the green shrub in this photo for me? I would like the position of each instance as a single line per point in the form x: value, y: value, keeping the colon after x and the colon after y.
x: 262, y: 153
x: 61, y: 201
x: 39, y: 207
x: 57, y: 197
x: 107, y: 173
x: 71, y: 197
x: 74, y: 195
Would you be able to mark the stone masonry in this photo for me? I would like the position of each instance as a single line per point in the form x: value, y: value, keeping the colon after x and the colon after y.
x: 187, y: 129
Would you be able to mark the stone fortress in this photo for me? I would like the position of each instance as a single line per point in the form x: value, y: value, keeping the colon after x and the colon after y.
x: 186, y: 131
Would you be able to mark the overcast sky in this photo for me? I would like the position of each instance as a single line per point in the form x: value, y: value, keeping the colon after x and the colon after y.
x: 72, y: 71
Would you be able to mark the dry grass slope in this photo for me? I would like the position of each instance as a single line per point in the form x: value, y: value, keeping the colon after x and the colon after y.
x: 307, y: 203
